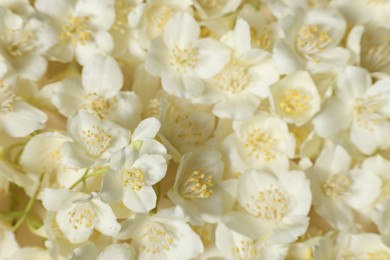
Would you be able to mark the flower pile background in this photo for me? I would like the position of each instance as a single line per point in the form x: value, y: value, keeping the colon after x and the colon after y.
x: 204, y: 129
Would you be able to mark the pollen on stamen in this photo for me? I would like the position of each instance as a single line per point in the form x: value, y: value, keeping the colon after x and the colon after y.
x: 133, y: 178
x: 295, y: 102
x: 96, y: 104
x: 76, y: 31
x: 156, y: 240
x: 19, y: 42
x: 183, y: 60
x: 7, y: 98
x: 96, y: 139
x: 260, y: 144
x: 312, y: 39
x: 336, y: 185
x: 199, y: 185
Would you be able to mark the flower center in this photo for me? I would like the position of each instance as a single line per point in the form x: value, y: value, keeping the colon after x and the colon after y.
x: 97, y: 140
x: 246, y: 250
x: 269, y: 205
x: 133, y: 178
x: 183, y: 60
x: 336, y: 185
x: 376, y: 57
x: 97, y: 105
x: 156, y: 239
x: 19, y: 42
x: 198, y: 185
x: 211, y: 4
x: 233, y: 79
x: 7, y: 98
x: 160, y: 15
x: 261, y: 40
x: 81, y: 216
x: 366, y: 111
x: 259, y: 143
x: 295, y: 102
x: 312, y: 39
x: 76, y: 31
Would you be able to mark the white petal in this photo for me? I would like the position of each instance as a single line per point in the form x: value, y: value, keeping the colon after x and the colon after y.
x: 157, y: 59
x: 242, y: 37
x: 75, y: 156
x: 141, y: 201
x: 117, y: 252
x: 153, y: 167
x: 58, y: 199
x: 239, y: 107
x: 105, y: 218
x: 126, y: 110
x: 102, y: 75
x: 352, y: 82
x: 148, y: 128
x: 212, y: 57
x: 112, y: 189
x: 285, y: 60
x: 67, y: 96
x: 32, y: 67
x: 23, y: 120
x: 181, y: 31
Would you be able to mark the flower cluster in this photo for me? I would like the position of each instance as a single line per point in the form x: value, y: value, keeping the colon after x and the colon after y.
x: 194, y: 129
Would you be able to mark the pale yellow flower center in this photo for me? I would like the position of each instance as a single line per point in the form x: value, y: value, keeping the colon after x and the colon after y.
x: 183, y: 60
x: 160, y: 15
x: 81, y: 216
x: 375, y: 57
x: 246, y: 250
x: 366, y: 111
x: 156, y: 240
x: 19, y: 42
x: 259, y: 143
x: 133, y: 178
x: 270, y: 205
x: 295, y: 102
x: 7, y: 98
x: 198, y: 185
x: 96, y: 140
x: 211, y: 4
x: 96, y: 104
x: 76, y: 31
x: 312, y: 39
x: 261, y: 40
x: 233, y: 79
x: 336, y: 185
x: 206, y: 233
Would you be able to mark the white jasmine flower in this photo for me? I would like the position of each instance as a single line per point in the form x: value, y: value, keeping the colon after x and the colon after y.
x: 79, y: 213
x: 23, y: 43
x: 337, y: 189
x: 275, y: 207
x: 235, y: 246
x: 161, y: 237
x: 215, y: 8
x: 295, y: 98
x: 199, y: 189
x: 17, y: 118
x: 311, y: 41
x: 94, y: 141
x: 236, y: 90
x: 135, y: 169
x: 320, y: 247
x: 282, y: 8
x: 81, y: 26
x: 360, y: 106
x: 149, y: 18
x: 186, y: 126
x: 361, y: 246
x: 262, y: 142
x: 98, y: 92
x: 182, y: 62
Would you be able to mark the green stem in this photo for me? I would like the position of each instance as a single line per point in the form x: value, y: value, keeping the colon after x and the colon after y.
x: 79, y: 180
x: 29, y: 205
